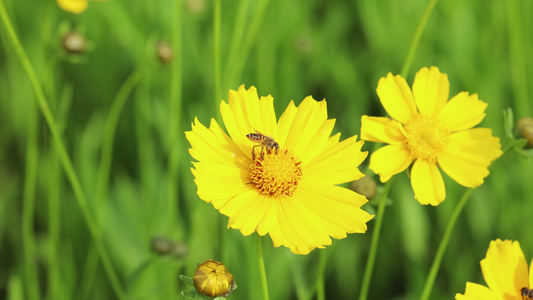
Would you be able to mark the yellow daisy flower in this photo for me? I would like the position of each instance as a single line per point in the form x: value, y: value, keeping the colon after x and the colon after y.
x: 74, y: 6
x: 506, y: 273
x: 425, y: 129
x: 287, y: 191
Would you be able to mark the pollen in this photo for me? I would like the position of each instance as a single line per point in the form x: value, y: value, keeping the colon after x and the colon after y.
x: 277, y: 174
x: 426, y: 137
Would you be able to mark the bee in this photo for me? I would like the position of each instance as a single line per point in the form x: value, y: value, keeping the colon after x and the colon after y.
x: 527, y: 294
x: 264, y: 141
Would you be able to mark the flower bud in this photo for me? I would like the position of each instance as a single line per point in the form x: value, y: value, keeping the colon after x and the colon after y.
x: 365, y: 186
x: 74, y: 42
x: 213, y: 279
x: 164, y: 52
x: 525, y: 130
x: 163, y: 246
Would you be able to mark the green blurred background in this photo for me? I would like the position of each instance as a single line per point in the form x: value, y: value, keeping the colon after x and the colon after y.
x: 122, y: 114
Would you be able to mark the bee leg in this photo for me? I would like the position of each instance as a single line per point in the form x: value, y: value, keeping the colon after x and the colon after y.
x: 253, y: 152
x: 261, y: 153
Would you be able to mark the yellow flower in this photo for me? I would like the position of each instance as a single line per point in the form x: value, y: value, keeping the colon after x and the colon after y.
x: 213, y: 279
x: 74, y: 6
x: 506, y: 273
x: 425, y: 129
x: 288, y: 192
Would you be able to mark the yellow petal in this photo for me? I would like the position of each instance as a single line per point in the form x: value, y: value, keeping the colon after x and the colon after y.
x: 309, y: 118
x: 462, y: 112
x: 381, y: 130
x: 218, y: 183
x: 427, y: 183
x: 338, y: 209
x: 318, y: 143
x: 285, y: 122
x: 74, y: 6
x: 468, y: 154
x: 476, y: 291
x: 390, y: 160
x: 396, y: 98
x: 431, y: 90
x: 337, y: 164
x: 505, y: 268
x: 248, y: 217
x: 213, y: 145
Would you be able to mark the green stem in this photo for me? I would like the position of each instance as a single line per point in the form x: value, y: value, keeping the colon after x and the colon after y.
x: 319, y: 284
x: 375, y: 241
x: 54, y: 225
x: 216, y: 51
x: 28, y: 209
x: 444, y: 243
x: 428, y: 286
x: 262, y: 272
x: 109, y: 135
x: 65, y: 159
x: 517, y: 58
x: 175, y: 112
x: 237, y: 60
x: 416, y: 38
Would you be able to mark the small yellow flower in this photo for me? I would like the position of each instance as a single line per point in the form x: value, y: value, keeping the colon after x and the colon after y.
x: 289, y: 192
x: 426, y: 130
x: 74, y: 6
x: 506, y: 273
x: 213, y: 279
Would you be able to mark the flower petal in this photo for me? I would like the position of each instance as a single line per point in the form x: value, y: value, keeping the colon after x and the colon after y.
x: 248, y: 217
x: 396, y: 97
x: 390, y: 160
x: 427, y: 183
x: 505, y: 268
x: 476, y: 291
x: 431, y: 90
x: 337, y: 209
x: 462, y: 112
x: 74, y: 6
x: 337, y: 164
x: 468, y: 154
x: 285, y: 123
x: 381, y: 130
x: 308, y: 120
x: 219, y: 183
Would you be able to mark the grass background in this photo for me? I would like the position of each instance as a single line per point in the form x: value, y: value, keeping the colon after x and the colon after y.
x: 122, y: 116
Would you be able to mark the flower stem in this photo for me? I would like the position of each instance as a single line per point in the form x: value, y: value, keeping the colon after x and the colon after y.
x: 319, y: 284
x: 216, y: 51
x: 443, y: 244
x: 416, y: 38
x: 517, y: 58
x: 63, y: 154
x: 28, y: 208
x: 175, y: 112
x: 262, y: 271
x: 447, y: 234
x: 375, y: 241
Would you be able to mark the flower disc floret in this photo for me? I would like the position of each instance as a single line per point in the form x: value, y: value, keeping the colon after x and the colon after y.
x: 425, y: 138
x: 277, y: 174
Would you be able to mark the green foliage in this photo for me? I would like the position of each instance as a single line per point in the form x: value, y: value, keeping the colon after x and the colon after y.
x: 122, y: 114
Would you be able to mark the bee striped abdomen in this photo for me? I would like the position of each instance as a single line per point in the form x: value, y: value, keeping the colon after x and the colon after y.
x: 255, y: 137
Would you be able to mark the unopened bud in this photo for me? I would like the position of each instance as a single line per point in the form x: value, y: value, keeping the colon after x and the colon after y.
x: 365, y: 186
x: 525, y: 130
x: 213, y: 279
x: 73, y: 42
x: 164, y: 52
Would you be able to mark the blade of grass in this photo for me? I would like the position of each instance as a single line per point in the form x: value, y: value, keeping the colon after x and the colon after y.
x: 65, y: 158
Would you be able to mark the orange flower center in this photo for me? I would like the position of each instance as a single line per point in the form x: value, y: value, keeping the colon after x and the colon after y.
x: 277, y: 174
x: 425, y: 137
